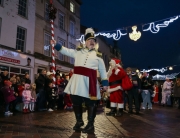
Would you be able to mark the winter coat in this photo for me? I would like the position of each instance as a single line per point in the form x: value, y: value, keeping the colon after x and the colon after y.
x: 176, y: 90
x: 20, y: 90
x: 8, y: 94
x: 41, y: 82
x: 26, y: 95
x: 166, y: 86
x: 33, y: 95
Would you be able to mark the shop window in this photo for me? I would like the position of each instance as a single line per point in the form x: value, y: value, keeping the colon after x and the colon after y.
x: 3, y: 68
x: 15, y: 70
x: 22, y: 8
x: 39, y: 70
x: 24, y: 71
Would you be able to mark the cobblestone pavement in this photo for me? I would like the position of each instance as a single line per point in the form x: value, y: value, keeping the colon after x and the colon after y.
x: 161, y: 122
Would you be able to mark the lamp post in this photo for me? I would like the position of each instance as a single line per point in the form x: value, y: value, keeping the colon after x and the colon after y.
x: 52, y: 17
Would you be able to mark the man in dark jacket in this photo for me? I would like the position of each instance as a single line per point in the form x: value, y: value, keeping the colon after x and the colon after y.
x: 133, y: 93
x: 40, y: 83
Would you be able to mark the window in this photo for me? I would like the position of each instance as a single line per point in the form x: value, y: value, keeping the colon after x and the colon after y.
x: 20, y: 39
x: 47, y: 47
x: 61, y: 1
x: 14, y: 70
x: 71, y: 46
x: 1, y: 2
x: 72, y: 28
x: 72, y: 7
x: 0, y: 25
x: 46, y: 11
x: 22, y: 8
x: 61, y: 21
x: 61, y: 56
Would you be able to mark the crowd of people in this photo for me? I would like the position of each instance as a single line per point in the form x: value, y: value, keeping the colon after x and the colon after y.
x: 123, y: 86
x: 146, y: 92
x: 19, y: 94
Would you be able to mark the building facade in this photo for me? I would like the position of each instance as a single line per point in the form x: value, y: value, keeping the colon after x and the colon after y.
x: 66, y: 27
x: 17, y: 25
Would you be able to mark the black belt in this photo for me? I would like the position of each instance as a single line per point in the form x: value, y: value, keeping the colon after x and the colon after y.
x: 115, y: 82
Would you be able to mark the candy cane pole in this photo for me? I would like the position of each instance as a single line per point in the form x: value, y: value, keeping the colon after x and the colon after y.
x: 53, y: 53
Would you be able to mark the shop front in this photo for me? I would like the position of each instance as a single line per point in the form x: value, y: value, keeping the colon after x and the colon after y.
x: 16, y: 63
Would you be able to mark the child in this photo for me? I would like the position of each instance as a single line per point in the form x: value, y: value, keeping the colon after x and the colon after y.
x: 8, y: 94
x: 33, y: 95
x: 67, y: 102
x: 26, y: 97
x: 51, y: 96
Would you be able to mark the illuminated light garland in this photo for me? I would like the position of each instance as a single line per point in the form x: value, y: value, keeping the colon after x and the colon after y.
x: 115, y: 36
x: 159, y: 70
x: 163, y: 77
x: 155, y: 28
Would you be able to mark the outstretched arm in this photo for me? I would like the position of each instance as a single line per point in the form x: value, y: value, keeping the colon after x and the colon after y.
x: 63, y: 50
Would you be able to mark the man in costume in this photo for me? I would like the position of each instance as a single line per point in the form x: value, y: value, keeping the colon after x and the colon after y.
x: 83, y: 85
x: 115, y: 75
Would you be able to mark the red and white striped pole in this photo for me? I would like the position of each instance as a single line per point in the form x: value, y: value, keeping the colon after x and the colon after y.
x: 53, y: 53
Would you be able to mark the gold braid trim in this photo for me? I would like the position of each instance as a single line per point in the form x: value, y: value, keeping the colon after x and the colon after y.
x: 93, y: 98
x: 104, y: 79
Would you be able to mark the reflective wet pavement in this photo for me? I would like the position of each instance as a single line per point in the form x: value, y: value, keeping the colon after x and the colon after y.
x: 161, y: 122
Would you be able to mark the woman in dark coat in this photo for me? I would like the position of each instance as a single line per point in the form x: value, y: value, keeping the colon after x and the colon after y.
x: 177, y: 91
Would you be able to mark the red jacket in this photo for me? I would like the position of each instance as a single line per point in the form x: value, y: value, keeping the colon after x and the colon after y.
x: 8, y: 94
x: 20, y: 90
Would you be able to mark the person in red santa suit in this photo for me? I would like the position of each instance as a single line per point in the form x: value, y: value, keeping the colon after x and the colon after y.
x: 115, y: 75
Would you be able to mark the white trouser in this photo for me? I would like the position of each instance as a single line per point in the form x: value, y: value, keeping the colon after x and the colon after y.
x: 165, y: 96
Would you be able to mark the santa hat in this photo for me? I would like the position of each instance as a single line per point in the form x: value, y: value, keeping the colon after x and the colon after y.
x: 7, y: 83
x: 117, y: 61
x: 89, y: 34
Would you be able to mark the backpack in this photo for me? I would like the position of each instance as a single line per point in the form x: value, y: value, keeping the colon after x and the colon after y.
x: 126, y: 83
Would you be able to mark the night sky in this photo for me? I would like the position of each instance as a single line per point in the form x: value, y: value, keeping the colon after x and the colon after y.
x: 155, y: 50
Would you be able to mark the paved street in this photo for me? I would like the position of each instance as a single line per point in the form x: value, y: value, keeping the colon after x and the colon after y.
x: 161, y: 122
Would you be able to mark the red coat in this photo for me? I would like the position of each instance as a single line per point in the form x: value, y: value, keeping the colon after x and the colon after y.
x: 116, y: 92
x: 8, y: 94
x: 20, y: 90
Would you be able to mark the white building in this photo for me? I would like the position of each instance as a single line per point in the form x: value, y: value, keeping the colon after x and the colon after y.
x: 17, y: 24
x: 66, y: 27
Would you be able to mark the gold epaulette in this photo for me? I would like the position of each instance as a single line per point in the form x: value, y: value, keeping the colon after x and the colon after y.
x: 79, y: 48
x: 99, y: 54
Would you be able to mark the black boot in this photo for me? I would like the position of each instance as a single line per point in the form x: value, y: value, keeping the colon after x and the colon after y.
x: 119, y: 112
x: 112, y: 112
x: 78, y: 114
x: 91, y: 115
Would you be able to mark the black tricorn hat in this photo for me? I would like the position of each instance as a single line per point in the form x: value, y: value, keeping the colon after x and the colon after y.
x: 89, y: 34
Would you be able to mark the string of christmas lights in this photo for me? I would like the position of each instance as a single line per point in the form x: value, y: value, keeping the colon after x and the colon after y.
x: 153, y: 27
x: 162, y: 70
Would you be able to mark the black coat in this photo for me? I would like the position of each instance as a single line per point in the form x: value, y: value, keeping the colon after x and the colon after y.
x: 41, y: 81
